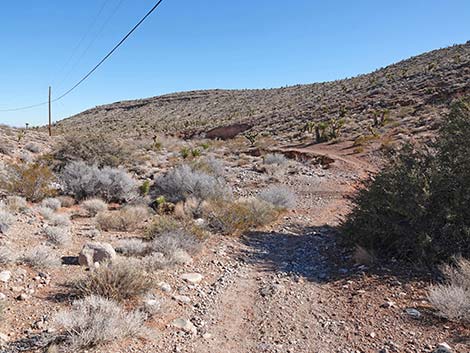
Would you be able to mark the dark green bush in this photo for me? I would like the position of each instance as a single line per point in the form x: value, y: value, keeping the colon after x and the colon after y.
x: 417, y: 207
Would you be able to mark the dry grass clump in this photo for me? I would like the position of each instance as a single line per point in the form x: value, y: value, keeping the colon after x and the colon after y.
x: 33, y: 181
x: 94, y: 206
x: 58, y: 235
x: 52, y: 203
x: 84, y: 181
x: 94, y: 321
x: 162, y: 224
x: 183, y: 182
x: 132, y: 247
x: 41, y: 257
x: 238, y: 217
x: 126, y: 219
x: 118, y: 280
x: 16, y: 203
x: 6, y: 220
x: 279, y: 196
x: 452, y: 299
x: 169, y: 243
x: 7, y: 256
x: 66, y: 201
x: 54, y: 219
x: 32, y: 147
x: 275, y: 159
x: 209, y: 165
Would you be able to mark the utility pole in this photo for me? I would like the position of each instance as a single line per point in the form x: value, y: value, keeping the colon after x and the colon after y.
x: 50, y: 114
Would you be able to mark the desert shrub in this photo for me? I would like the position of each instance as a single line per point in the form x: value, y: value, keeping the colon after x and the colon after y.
x: 209, y: 165
x: 66, y: 201
x: 94, y: 321
x: 7, y: 256
x: 162, y: 224
x: 240, y: 216
x: 33, y: 181
x: 94, y: 206
x: 85, y: 181
x: 6, y: 220
x: 41, y: 257
x: 275, y: 158
x: 54, y: 219
x: 169, y: 243
x: 144, y: 189
x: 279, y: 196
x: 452, y: 299
x: 188, y: 209
x: 52, y: 203
x: 118, y: 280
x: 5, y: 148
x: 58, y: 235
x: 183, y: 182
x: 126, y: 219
x: 132, y: 247
x: 32, y: 147
x: 16, y: 203
x: 416, y: 208
x: 94, y: 149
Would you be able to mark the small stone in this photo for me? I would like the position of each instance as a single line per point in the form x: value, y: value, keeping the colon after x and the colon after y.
x: 415, y: 314
x: 3, y: 338
x: 2, y: 296
x: 443, y: 348
x: 193, y: 278
x: 207, y: 336
x: 22, y: 297
x: 5, y: 276
x: 182, y: 299
x: 165, y: 287
x: 388, y: 304
x: 92, y: 253
x: 184, y: 325
x: 372, y: 334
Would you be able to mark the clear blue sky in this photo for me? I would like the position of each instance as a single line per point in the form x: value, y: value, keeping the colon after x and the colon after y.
x: 189, y: 44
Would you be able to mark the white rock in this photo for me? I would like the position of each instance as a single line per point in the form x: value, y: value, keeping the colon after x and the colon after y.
x: 185, y: 325
x: 182, y: 299
x: 5, y: 276
x: 2, y: 296
x: 193, y: 278
x: 443, y: 348
x: 92, y: 253
x: 3, y: 338
x: 165, y: 287
x: 415, y: 314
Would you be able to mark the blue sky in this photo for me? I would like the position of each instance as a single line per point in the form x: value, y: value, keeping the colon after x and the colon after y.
x: 189, y: 44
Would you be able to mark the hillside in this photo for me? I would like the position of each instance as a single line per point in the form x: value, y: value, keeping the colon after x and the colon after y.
x: 414, y: 92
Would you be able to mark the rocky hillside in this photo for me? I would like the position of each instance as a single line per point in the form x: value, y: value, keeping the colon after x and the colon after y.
x: 413, y: 93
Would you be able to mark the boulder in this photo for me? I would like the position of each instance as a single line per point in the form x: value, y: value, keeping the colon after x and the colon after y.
x: 92, y: 253
x: 192, y: 278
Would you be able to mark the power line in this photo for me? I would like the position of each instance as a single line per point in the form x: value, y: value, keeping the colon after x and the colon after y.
x: 95, y: 67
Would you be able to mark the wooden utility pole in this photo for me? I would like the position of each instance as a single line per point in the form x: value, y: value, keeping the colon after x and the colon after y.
x: 50, y: 113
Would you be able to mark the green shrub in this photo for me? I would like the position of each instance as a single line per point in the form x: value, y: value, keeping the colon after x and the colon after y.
x: 416, y: 208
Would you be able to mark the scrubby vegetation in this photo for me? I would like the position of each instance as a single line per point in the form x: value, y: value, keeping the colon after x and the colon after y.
x: 416, y: 208
x: 452, y: 299
x: 85, y: 181
x: 126, y: 219
x: 94, y: 321
x: 117, y: 280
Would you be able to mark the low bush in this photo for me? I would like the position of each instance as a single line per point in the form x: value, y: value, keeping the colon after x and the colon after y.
x: 118, y: 280
x: 275, y: 158
x: 132, y: 247
x: 66, y: 201
x: 54, y: 219
x: 209, y: 165
x: 41, y: 257
x: 52, y: 203
x: 238, y: 217
x: 183, y: 182
x: 6, y: 220
x: 94, y: 206
x: 95, y: 321
x: 95, y: 149
x: 16, y: 203
x: 126, y: 219
x: 84, y: 181
x: 169, y: 243
x: 279, y: 196
x: 452, y: 299
x: 416, y: 208
x: 32, y: 147
x: 58, y: 235
x: 34, y: 181
x: 7, y: 256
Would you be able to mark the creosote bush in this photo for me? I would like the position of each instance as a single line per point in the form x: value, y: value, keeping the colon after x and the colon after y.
x: 95, y: 149
x: 240, y: 216
x: 84, y: 181
x: 416, y: 208
x: 94, y: 321
x: 118, y: 280
x: 33, y: 181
